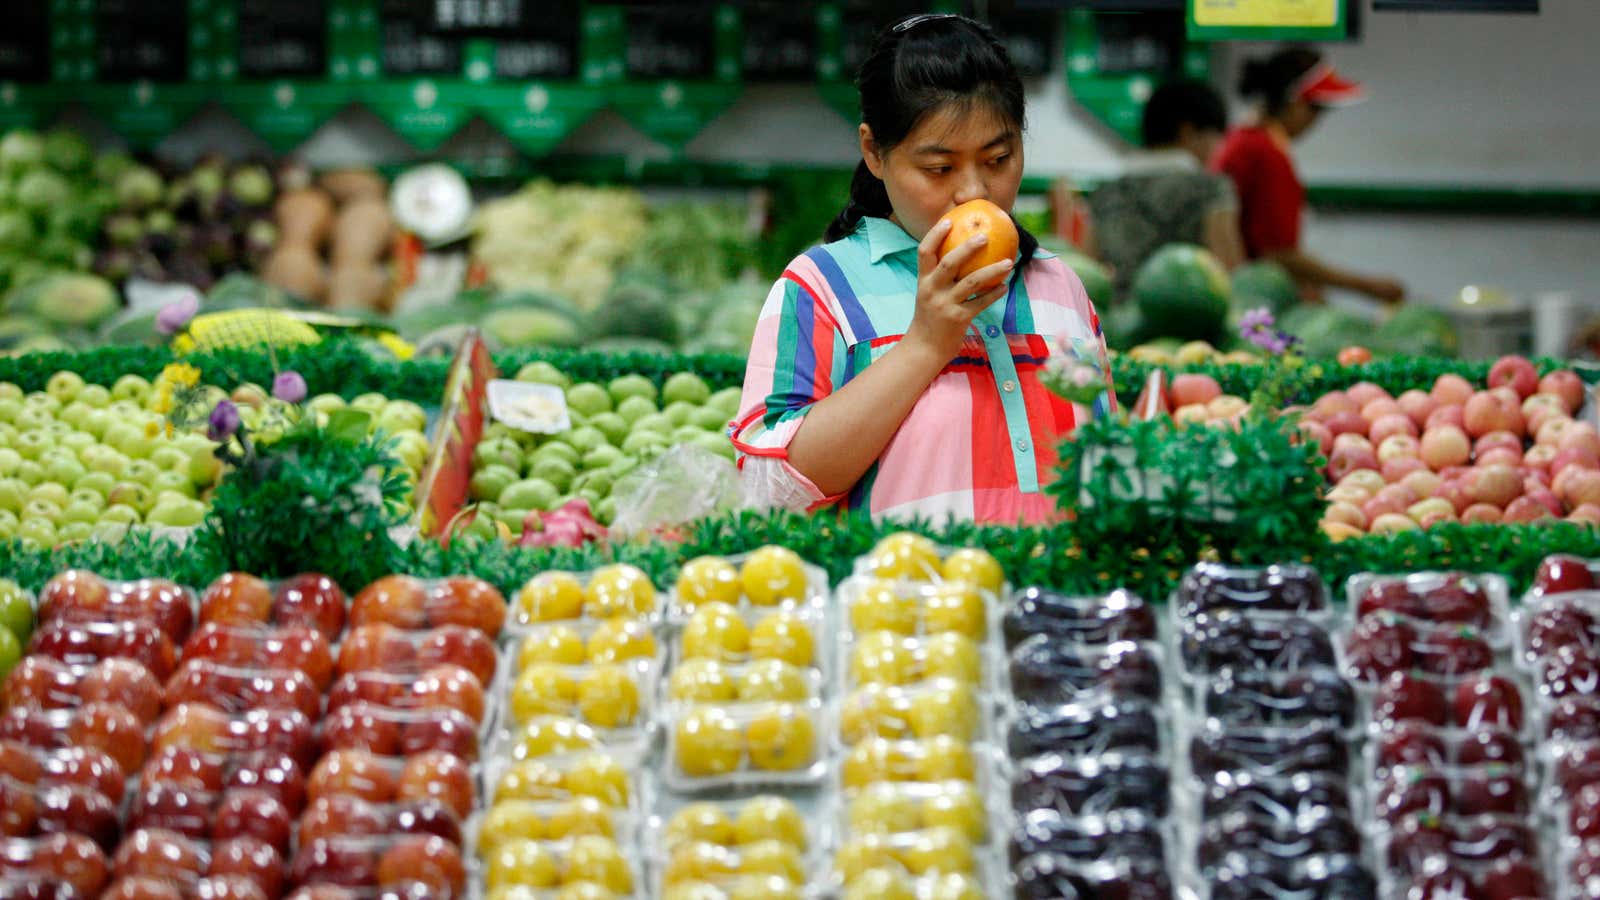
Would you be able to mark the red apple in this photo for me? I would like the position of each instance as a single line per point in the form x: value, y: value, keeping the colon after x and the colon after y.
x: 1494, y: 484
x: 1346, y: 423
x: 1345, y: 513
x: 1501, y: 456
x: 1453, y: 414
x: 1403, y: 697
x: 237, y: 599
x: 1547, y: 499
x: 1380, y: 408
x: 1363, y: 392
x: 1445, y: 445
x: 1566, y: 385
x: 310, y: 599
x: 1580, y: 436
x: 1193, y: 388
x: 1454, y: 651
x: 1451, y: 389
x: 1423, y: 482
x: 1482, y: 513
x: 1331, y: 403
x: 1582, y: 487
x: 1512, y: 878
x: 1491, y: 790
x: 1515, y: 372
x: 1486, y: 412
x: 1346, y: 460
x: 1317, y: 433
x: 1586, y: 514
x: 1397, y: 469
x: 1417, y: 405
x: 1491, y: 745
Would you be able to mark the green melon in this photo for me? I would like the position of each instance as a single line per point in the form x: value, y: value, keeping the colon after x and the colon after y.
x: 1182, y: 292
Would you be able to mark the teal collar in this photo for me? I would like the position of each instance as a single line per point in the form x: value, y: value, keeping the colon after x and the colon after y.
x: 885, y: 238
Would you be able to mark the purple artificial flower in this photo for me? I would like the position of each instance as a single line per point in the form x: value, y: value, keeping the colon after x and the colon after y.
x: 224, y: 421
x: 175, y: 316
x: 1258, y: 318
x: 289, y: 387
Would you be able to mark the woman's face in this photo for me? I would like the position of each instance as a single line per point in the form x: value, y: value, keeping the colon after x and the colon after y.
x: 1298, y: 117
x: 955, y: 154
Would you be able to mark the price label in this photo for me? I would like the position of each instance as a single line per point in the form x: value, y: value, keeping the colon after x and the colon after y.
x: 410, y: 44
x: 1512, y: 6
x: 671, y: 40
x: 142, y: 41
x: 481, y: 17
x: 1030, y: 40
x: 780, y: 41
x: 278, y: 40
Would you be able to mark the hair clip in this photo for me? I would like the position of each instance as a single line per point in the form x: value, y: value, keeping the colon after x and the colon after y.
x: 914, y: 21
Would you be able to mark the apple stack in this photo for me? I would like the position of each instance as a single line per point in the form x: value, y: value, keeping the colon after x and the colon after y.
x: 1088, y: 747
x: 1450, y: 783
x: 1511, y: 453
x: 578, y: 723
x: 1558, y: 631
x: 743, y: 707
x: 16, y: 624
x: 910, y: 815
x: 1268, y: 732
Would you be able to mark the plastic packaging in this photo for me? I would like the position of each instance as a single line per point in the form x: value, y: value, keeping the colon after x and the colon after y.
x: 1324, y: 831
x: 884, y: 865
x: 1549, y: 626
x: 1091, y: 786
x: 208, y: 729
x: 543, y: 736
x: 31, y: 810
x: 1046, y: 672
x: 236, y: 689
x: 1572, y: 718
x: 414, y: 603
x: 914, y: 608
x: 928, y: 709
x: 43, y: 682
x: 1048, y: 876
x: 77, y: 597
x: 1260, y: 697
x: 444, y: 685
x: 709, y: 681
x: 1282, y: 796
x: 73, y: 766
x: 1417, y: 743
x: 209, y: 887
x: 736, y: 822
x: 1476, y: 700
x: 1098, y: 722
x: 769, y: 577
x: 1101, y: 619
x: 551, y: 864
x: 932, y: 759
x: 343, y: 815
x: 1458, y: 598
x: 891, y: 807
x: 1383, y: 643
x: 64, y: 859
x: 1562, y: 573
x: 1469, y: 848
x: 618, y: 699
x: 307, y: 599
x: 698, y: 861
x: 431, y: 775
x: 78, y: 644
x: 385, y: 648
x: 107, y: 727
x: 884, y: 657
x: 202, y: 815
x: 615, y: 591
x: 400, y: 732
x: 1277, y: 643
x: 383, y: 861
x: 1123, y: 833
x: 573, y: 644
x: 912, y: 557
x: 1211, y: 588
x: 298, y: 647
x: 560, y: 778
x: 1267, y: 749
x: 1250, y: 875
x: 716, y: 886
x: 711, y: 747
x: 550, y: 820
x: 723, y: 633
x: 274, y: 772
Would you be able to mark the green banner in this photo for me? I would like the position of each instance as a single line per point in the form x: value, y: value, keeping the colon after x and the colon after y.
x: 536, y: 117
x: 143, y: 113
x: 286, y: 113
x: 425, y: 111
x: 673, y: 112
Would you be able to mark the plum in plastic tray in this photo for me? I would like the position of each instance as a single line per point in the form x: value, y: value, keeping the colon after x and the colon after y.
x: 1100, y: 619
x: 610, y: 592
x: 1096, y: 723
x: 1212, y: 588
x: 1046, y: 672
x: 1456, y: 598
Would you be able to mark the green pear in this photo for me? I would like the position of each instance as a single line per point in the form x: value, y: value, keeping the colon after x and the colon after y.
x: 543, y: 373
x: 625, y: 386
x: 685, y: 387
x: 588, y: 398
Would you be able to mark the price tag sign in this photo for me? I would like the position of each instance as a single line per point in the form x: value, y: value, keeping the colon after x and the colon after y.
x: 411, y: 46
x: 278, y: 40
x: 142, y: 41
x: 780, y: 41
x: 1301, y: 20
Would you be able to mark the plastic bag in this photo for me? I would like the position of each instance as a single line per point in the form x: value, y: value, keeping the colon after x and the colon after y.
x: 680, y: 486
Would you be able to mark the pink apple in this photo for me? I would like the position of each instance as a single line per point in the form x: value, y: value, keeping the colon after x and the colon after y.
x: 1582, y: 488
x: 1431, y: 506
x: 1587, y: 514
x: 1423, y: 483
x: 1501, y: 456
x: 1495, y: 484
x: 1445, y: 445
x: 1541, y: 416
x: 1525, y: 509
x: 1387, y: 426
x: 1573, y: 456
x: 1552, y: 430
x: 1418, y: 405
x: 1338, y: 531
x: 1366, y: 479
x: 1345, y: 460
x: 1227, y: 406
x: 1565, y: 384
x: 1542, y: 405
x: 1496, y: 439
x: 1560, y: 483
x: 1533, y: 479
x: 1347, y: 513
x: 1317, y: 433
x: 1431, y: 519
x: 1383, y: 406
x: 1539, y: 457
x: 1515, y: 372
x: 1486, y: 412
x: 1482, y: 512
x: 1363, y: 392
x: 1378, y: 507
x: 1400, y: 467
x: 1445, y: 415
x: 1580, y: 436
x: 1396, y: 446
x: 1346, y: 423
x: 1333, y: 402
x: 1451, y: 389
x: 1399, y: 493
x: 1391, y: 523
x: 1348, y: 494
x: 1548, y: 499
x: 1456, y: 492
x: 1351, y: 439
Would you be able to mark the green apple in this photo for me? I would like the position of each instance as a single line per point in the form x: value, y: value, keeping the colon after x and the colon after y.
x: 558, y: 450
x: 402, y: 415
x: 326, y: 403
x: 481, y: 528
x: 132, y: 388
x: 129, y: 493
x: 40, y: 532
x: 16, y: 610
x: 64, y: 468
x: 176, y: 512
x: 97, y: 422
x: 708, y: 418
x: 489, y: 481
x: 64, y: 386
x: 109, y: 532
x: 369, y: 403
x: 622, y: 467
x: 87, y: 513
x: 412, y: 449
x: 9, y: 460
x: 500, y: 430
x: 32, y: 418
x: 685, y: 434
x: 32, y: 444
x: 143, y: 471
x: 645, y: 443
x: 513, y: 519
x: 584, y: 439
x: 8, y: 524
x: 501, y: 451
x: 95, y: 396
x: 613, y: 426
x: 30, y: 472
x: 13, y: 493
x: 606, y: 510
x: 600, y: 457
x: 204, y: 467
x: 85, y: 495
x: 716, y: 443
x: 41, y: 400
x: 169, y: 482
x: 529, y: 493
x: 598, y: 481
x: 122, y: 433
x: 10, y: 652
x: 557, y: 472
x: 124, y: 410
x: 543, y: 373
x: 10, y: 408
x: 680, y: 413
x: 111, y: 462
x: 727, y: 400
x: 170, y: 458
x: 99, y: 482
x: 588, y: 398
x: 9, y: 391
x: 67, y: 532
x: 8, y: 433
x: 75, y: 414
x: 685, y: 387
x: 76, y: 442
x: 624, y: 386
x: 40, y: 509
x: 632, y: 409
x: 120, y: 514
x: 49, y: 491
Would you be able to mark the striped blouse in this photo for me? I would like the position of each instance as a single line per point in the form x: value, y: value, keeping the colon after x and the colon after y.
x: 980, y: 442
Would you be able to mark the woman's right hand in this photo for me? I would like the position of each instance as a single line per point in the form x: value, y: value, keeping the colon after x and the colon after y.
x: 946, y: 304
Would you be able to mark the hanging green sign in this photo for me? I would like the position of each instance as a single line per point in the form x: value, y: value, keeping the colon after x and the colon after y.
x: 143, y: 112
x: 20, y: 107
x: 536, y: 117
x: 672, y: 112
x: 425, y: 111
x: 1263, y: 20
x: 285, y: 113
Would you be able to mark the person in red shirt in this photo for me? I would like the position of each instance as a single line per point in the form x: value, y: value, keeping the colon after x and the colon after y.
x: 1293, y: 88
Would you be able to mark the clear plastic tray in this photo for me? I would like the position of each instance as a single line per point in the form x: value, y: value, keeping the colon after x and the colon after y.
x: 1044, y: 672
x: 1472, y: 846
x: 107, y: 727
x: 558, y: 778
x: 77, y: 597
x: 30, y: 810
x: 1482, y: 601
x: 913, y: 609
x: 552, y: 864
x: 619, y: 700
x: 236, y: 689
x: 79, y: 644
x: 1548, y: 626
x: 884, y: 657
x: 1383, y: 643
x: 932, y: 759
x: 733, y: 822
x: 576, y: 643
x: 406, y: 601
x: 726, y: 634
x: 1091, y: 785
x: 61, y: 859
x: 709, y: 681
x: 1493, y: 788
x: 1099, y: 619
x: 208, y: 729
x: 299, y: 647
x: 545, y: 736
x: 928, y: 709
x: 746, y: 745
x: 1414, y: 743
x: 383, y: 861
x: 43, y: 682
x: 912, y: 557
x: 768, y: 578
x: 400, y: 732
x: 1259, y: 697
x: 1278, y: 643
x: 445, y: 685
x: 343, y: 815
x: 385, y: 648
x: 201, y: 815
x: 432, y: 775
x: 307, y: 599
x: 615, y: 591
x: 1212, y: 588
x: 273, y: 772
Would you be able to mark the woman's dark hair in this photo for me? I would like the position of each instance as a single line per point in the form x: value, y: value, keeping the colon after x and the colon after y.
x: 917, y: 66
x: 1192, y: 103
x: 1272, y: 79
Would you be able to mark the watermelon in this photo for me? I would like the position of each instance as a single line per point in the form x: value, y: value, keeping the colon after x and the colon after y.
x: 1182, y: 292
x: 66, y: 299
x: 1123, y: 325
x: 638, y: 306
x: 1095, y: 277
x: 1325, y: 330
x: 1264, y: 284
x: 1416, y: 330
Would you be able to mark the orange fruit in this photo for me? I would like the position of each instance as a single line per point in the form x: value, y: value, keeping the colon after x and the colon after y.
x: 975, y: 217
x: 1354, y: 355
